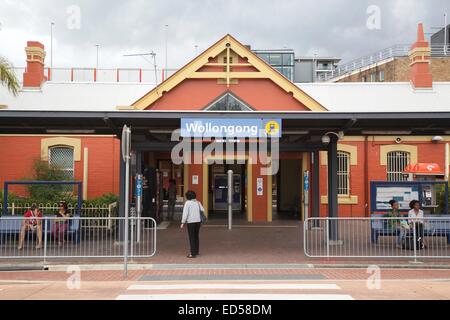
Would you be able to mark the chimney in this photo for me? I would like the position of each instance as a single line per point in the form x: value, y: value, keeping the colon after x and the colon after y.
x: 419, y: 54
x: 34, y: 73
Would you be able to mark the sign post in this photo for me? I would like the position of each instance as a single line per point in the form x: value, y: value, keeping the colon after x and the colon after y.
x: 306, y: 187
x: 139, y: 188
x: 126, y: 155
x: 230, y: 199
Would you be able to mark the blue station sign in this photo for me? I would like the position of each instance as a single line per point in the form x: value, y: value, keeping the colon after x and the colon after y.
x: 231, y: 128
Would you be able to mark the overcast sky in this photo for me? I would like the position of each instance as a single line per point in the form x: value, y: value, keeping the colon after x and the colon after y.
x: 341, y: 28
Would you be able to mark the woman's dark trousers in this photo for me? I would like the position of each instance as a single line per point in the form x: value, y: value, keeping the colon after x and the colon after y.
x: 193, y: 231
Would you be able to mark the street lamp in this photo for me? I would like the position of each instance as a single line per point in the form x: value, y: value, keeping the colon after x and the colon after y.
x: 98, y: 46
x: 51, y: 45
x: 326, y: 139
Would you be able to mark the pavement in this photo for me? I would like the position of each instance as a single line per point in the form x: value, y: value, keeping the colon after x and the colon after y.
x: 253, y: 262
x: 228, y: 284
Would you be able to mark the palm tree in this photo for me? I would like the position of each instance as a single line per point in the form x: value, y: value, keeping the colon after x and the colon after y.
x: 7, y: 77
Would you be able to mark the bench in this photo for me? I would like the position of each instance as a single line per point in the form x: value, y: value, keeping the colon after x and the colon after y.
x: 11, y: 225
x: 432, y: 228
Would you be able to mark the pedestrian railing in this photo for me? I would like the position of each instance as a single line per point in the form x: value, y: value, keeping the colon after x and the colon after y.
x: 76, y: 237
x: 377, y: 237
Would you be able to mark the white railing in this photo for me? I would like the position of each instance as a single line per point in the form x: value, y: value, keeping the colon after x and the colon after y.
x: 401, y: 50
x: 87, y: 210
x: 377, y: 238
x: 93, y: 75
x: 76, y: 237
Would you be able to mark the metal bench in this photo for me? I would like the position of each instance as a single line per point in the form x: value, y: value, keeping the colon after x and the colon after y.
x: 440, y: 227
x: 11, y: 226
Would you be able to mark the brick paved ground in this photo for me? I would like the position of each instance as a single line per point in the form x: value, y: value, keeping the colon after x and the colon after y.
x: 278, y: 243
x: 227, y: 274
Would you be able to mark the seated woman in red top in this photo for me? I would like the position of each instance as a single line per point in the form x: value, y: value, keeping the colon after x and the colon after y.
x: 32, y: 222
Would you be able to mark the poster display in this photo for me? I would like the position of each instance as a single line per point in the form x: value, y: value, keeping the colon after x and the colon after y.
x: 403, y: 194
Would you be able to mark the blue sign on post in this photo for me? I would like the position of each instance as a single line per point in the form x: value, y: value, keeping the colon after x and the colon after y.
x: 306, y: 181
x: 139, y: 185
x: 231, y: 128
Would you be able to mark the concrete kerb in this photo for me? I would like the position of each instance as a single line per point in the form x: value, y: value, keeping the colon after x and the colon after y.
x: 111, y: 267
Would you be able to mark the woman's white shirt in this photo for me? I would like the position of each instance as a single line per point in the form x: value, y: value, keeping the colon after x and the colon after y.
x: 413, y: 217
x: 191, y: 212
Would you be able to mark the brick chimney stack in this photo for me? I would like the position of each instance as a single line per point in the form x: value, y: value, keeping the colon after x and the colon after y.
x: 34, y: 74
x: 419, y: 54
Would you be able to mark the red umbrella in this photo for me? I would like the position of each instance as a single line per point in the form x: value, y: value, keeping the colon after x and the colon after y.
x: 432, y: 169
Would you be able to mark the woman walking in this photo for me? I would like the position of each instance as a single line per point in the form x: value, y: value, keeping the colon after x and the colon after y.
x: 192, y: 216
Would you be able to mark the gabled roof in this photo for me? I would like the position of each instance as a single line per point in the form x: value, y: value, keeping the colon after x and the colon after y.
x: 228, y: 44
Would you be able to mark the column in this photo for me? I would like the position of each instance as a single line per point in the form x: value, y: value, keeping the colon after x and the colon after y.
x: 332, y: 187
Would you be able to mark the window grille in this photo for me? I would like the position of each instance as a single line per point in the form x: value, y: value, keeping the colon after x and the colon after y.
x: 396, y: 164
x: 343, y: 173
x: 62, y: 158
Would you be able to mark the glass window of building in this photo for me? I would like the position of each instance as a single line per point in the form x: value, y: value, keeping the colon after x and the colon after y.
x: 373, y: 77
x: 276, y: 59
x: 228, y: 102
x: 381, y: 76
x: 62, y: 158
x: 396, y: 164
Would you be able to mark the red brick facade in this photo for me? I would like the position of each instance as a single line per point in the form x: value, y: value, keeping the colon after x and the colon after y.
x: 103, y: 162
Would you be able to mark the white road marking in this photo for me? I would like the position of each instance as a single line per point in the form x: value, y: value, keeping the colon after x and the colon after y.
x: 236, y: 286
x: 240, y: 296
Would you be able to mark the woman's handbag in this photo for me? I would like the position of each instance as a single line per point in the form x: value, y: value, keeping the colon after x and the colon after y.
x: 203, y: 217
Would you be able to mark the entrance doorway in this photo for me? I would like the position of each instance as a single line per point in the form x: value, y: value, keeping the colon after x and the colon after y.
x: 218, y: 190
x: 287, y: 190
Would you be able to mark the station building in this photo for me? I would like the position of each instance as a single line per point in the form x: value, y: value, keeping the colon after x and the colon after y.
x: 228, y: 83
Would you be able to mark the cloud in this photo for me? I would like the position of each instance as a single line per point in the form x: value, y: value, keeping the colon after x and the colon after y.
x: 323, y: 27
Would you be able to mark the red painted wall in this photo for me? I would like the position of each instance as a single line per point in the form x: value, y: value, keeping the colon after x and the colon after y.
x: 427, y: 152
x: 104, y: 157
x: 197, y: 94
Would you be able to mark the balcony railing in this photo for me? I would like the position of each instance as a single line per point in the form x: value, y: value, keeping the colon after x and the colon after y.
x: 401, y: 50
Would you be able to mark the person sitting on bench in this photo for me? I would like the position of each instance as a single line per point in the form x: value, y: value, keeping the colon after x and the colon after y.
x: 416, y: 217
x: 60, y: 224
x: 32, y: 222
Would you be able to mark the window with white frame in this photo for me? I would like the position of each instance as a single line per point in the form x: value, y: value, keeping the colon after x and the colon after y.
x: 343, y: 173
x: 382, y: 77
x: 396, y: 164
x: 62, y: 158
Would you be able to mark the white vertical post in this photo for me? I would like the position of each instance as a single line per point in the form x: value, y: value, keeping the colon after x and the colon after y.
x: 126, y: 150
x: 230, y: 199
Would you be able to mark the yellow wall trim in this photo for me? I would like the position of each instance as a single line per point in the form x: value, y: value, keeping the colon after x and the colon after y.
x: 384, y: 150
x: 341, y: 200
x: 85, y: 173
x: 61, y: 141
x: 352, y: 150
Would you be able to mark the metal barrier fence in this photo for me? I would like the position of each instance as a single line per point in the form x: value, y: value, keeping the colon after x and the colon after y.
x: 89, y: 210
x: 77, y: 237
x: 377, y: 238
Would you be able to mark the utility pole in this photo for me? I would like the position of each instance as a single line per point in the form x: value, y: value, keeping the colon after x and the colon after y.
x: 167, y: 50
x: 51, y: 45
x: 445, y: 34
x: 97, y: 45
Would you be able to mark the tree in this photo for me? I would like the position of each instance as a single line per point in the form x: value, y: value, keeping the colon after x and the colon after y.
x: 44, y: 172
x: 7, y: 77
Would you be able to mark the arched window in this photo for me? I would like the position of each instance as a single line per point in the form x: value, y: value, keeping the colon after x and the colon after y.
x: 343, y: 173
x: 62, y: 158
x: 396, y: 163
